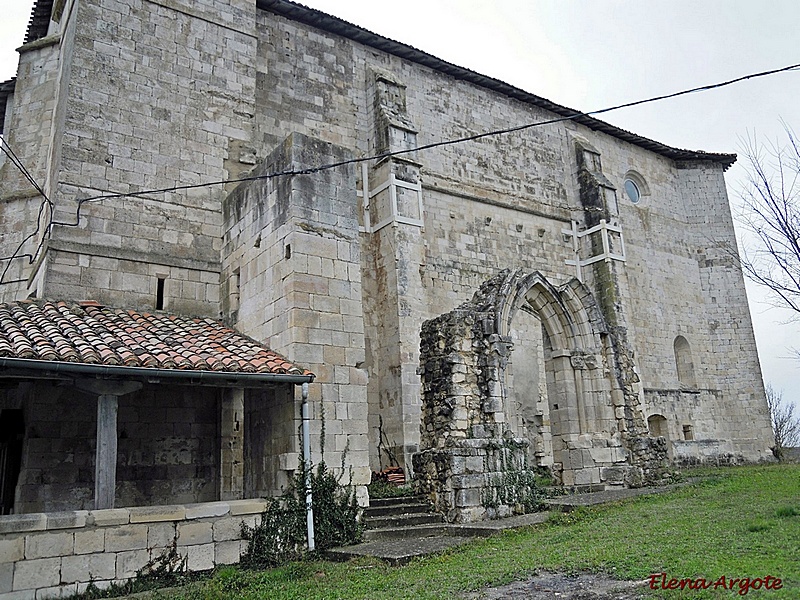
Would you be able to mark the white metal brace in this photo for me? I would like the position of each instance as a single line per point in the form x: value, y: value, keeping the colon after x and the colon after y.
x: 607, y: 255
x: 392, y: 184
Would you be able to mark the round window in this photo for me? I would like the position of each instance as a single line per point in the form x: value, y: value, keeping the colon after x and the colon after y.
x: 632, y: 190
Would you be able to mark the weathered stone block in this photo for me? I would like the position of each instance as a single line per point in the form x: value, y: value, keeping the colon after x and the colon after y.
x: 108, y: 516
x: 57, y: 591
x: 200, y: 557
x: 67, y: 519
x: 160, y: 535
x: 131, y: 561
x: 90, y: 540
x: 229, y: 553
x: 194, y: 533
x: 126, y: 537
x: 613, y: 475
x: 247, y: 507
x: 207, y: 509
x: 88, y: 566
x: 467, y: 497
x: 153, y: 514
x: 6, y: 577
x: 30, y: 522
x: 12, y: 549
x: 44, y: 545
x: 32, y: 574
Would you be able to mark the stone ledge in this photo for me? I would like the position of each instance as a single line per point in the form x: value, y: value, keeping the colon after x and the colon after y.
x: 207, y: 509
x: 67, y: 519
x: 155, y: 514
x: 247, y: 507
x: 29, y: 522
x: 108, y: 516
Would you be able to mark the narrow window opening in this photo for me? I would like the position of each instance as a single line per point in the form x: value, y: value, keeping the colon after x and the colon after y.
x: 287, y: 251
x: 684, y: 363
x: 160, y: 293
x: 234, y: 291
x: 688, y: 433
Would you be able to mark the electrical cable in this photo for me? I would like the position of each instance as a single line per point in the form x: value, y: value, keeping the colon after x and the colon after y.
x: 469, y: 138
x: 110, y: 194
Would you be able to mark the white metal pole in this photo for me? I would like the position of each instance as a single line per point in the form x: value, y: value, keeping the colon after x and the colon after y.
x: 307, y: 463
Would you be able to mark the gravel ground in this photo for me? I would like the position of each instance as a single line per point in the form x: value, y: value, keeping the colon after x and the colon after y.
x: 548, y: 586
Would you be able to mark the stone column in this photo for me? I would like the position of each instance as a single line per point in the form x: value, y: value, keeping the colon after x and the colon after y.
x: 105, y: 464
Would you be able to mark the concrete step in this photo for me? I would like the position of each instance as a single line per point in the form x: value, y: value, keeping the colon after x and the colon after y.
x: 402, y: 533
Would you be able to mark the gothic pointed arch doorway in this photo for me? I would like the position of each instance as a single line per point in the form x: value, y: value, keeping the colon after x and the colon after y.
x: 558, y: 390
x: 523, y: 374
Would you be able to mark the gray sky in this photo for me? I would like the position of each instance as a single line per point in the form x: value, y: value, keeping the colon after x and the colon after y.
x: 590, y: 55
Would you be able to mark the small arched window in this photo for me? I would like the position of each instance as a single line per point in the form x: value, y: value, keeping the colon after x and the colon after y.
x: 684, y: 363
x: 657, y: 425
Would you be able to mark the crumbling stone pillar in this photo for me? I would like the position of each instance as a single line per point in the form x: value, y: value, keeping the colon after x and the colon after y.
x: 599, y: 202
x: 394, y: 252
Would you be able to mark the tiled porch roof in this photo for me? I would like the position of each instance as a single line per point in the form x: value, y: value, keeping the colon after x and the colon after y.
x: 92, y: 334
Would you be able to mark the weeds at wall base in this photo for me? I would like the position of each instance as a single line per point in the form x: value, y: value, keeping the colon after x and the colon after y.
x: 281, y: 535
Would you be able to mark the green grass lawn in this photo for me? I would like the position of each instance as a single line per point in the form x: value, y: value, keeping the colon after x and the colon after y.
x: 741, y: 522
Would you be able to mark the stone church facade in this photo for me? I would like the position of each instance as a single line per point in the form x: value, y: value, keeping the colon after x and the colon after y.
x: 573, y: 283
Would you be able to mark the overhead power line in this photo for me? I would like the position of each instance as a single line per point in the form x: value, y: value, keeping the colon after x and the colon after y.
x: 311, y: 170
x: 110, y: 194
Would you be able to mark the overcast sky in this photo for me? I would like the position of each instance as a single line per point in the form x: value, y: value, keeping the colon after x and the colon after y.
x: 590, y: 55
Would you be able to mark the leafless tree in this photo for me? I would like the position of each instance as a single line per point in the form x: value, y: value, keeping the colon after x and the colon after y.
x: 785, y: 424
x: 771, y: 211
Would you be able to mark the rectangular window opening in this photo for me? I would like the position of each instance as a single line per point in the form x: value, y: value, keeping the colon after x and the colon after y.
x: 160, y: 293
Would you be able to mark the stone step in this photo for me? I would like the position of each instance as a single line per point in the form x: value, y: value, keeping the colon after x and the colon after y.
x: 396, y: 509
x: 380, y: 502
x: 403, y: 520
x: 398, y: 545
x: 402, y: 533
x: 400, y: 551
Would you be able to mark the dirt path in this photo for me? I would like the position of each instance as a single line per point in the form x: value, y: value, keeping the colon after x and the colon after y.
x: 558, y: 586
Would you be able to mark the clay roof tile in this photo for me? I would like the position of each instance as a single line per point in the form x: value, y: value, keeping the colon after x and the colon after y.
x: 94, y: 334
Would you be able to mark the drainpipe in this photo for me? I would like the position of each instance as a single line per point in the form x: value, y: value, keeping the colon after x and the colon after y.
x: 307, y: 466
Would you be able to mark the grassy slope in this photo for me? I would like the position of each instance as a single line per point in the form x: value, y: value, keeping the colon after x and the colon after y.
x: 745, y: 522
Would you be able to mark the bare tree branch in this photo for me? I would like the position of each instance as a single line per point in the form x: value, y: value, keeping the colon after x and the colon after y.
x: 785, y: 425
x: 771, y: 212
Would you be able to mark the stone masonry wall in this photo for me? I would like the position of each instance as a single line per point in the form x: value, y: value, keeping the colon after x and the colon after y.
x: 160, y: 94
x: 51, y: 555
x: 292, y: 268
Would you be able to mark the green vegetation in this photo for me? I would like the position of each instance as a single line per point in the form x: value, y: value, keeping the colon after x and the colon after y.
x: 383, y: 489
x: 280, y: 536
x: 739, y: 522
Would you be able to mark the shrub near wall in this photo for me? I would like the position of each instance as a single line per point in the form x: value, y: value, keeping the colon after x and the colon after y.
x: 57, y: 554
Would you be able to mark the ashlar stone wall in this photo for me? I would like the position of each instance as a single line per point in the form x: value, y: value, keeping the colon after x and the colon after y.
x: 53, y: 555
